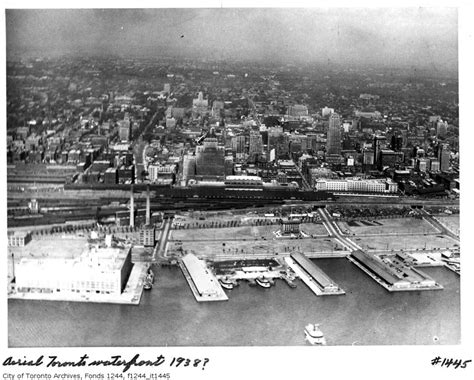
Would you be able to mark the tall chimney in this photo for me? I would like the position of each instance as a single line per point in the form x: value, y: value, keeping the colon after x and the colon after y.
x: 147, y: 222
x: 132, y: 208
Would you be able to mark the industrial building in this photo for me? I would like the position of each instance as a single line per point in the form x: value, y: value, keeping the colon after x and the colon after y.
x: 18, y: 238
x: 357, y: 185
x: 103, y: 270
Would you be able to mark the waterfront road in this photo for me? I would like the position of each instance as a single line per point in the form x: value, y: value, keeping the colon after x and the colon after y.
x: 335, y: 232
x: 438, y: 225
x: 160, y: 248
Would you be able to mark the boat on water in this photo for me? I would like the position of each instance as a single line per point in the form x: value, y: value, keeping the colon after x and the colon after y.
x: 289, y: 282
x: 150, y: 275
x: 226, y: 284
x: 147, y: 285
x: 314, y: 335
x: 149, y: 280
x: 263, y: 282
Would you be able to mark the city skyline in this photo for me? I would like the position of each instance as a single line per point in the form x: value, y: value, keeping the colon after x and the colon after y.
x: 416, y: 38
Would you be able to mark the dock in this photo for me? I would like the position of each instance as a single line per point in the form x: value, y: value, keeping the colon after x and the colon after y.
x: 203, y: 283
x: 318, y: 281
x: 393, y: 273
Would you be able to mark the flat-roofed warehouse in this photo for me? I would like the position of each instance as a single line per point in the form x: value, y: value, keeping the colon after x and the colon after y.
x: 206, y: 284
x: 380, y: 269
x: 317, y: 274
x: 96, y: 270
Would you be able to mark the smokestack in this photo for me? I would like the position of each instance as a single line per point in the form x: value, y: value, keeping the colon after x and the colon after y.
x: 147, y: 222
x: 132, y: 208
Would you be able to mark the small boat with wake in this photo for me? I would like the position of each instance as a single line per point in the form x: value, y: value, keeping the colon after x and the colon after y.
x: 314, y: 335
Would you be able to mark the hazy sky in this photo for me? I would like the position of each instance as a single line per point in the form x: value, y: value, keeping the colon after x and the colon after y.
x: 421, y: 37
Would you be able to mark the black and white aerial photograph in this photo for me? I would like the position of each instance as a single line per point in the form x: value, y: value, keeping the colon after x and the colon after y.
x: 232, y: 177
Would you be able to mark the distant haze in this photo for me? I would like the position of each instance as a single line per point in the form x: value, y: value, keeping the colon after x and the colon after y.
x: 414, y: 37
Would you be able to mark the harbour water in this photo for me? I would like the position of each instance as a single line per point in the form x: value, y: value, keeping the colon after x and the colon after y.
x: 168, y: 315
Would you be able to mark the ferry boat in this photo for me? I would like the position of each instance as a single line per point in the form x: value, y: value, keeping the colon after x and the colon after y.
x: 226, y: 284
x: 149, y: 280
x: 314, y: 335
x: 263, y: 282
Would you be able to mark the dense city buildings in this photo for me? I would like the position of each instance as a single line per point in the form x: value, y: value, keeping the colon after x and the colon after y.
x: 171, y: 131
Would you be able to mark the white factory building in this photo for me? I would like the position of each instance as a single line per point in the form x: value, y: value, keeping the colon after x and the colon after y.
x: 103, y: 270
x: 357, y: 185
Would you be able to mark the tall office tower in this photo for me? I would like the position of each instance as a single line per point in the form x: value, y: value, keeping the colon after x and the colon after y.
x: 434, y: 165
x: 396, y: 143
x: 148, y: 209
x: 441, y: 129
x: 327, y: 111
x: 125, y: 130
x: 368, y: 157
x: 423, y: 164
x: 224, y: 138
x: 238, y: 144
x: 189, y: 167
x: 255, y: 143
x: 217, y: 108
x: 379, y: 144
x: 167, y: 88
x: 279, y: 141
x: 200, y: 105
x: 210, y: 158
x: 444, y: 155
x: 333, y: 144
x: 132, y: 208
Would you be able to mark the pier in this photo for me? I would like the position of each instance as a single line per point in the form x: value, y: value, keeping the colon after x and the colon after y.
x: 201, y: 280
x: 392, y: 272
x: 320, y: 283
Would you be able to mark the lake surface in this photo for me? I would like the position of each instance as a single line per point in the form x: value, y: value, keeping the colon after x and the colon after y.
x: 168, y: 315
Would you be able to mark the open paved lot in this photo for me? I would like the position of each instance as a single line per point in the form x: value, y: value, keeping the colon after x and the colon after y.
x: 242, y: 232
x: 314, y: 229
x: 429, y: 242
x: 226, y: 233
x: 255, y: 246
x: 387, y: 226
x: 58, y: 247
x: 450, y: 221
